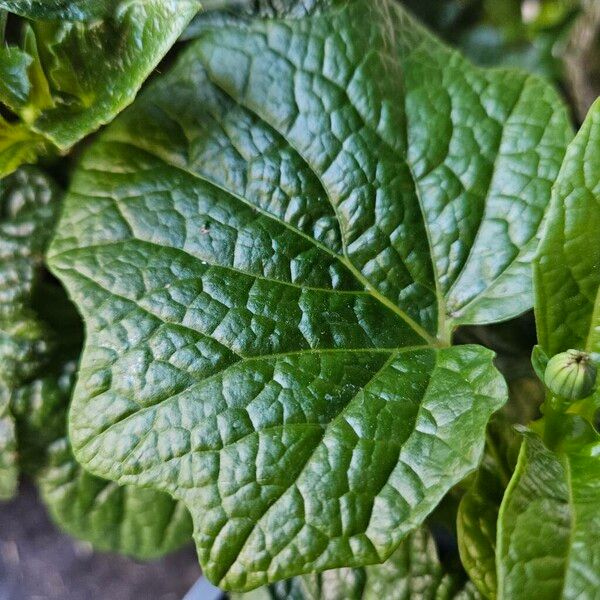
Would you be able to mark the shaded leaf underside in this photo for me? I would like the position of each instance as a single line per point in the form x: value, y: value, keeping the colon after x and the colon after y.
x: 266, y: 249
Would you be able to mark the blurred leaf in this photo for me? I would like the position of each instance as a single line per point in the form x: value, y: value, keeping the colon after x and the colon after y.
x: 582, y: 58
x: 72, y: 76
x: 14, y: 79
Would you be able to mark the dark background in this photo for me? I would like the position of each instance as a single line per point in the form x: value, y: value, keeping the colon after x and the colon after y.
x: 37, y: 562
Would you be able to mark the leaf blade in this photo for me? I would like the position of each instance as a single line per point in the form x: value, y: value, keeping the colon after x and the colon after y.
x: 259, y: 250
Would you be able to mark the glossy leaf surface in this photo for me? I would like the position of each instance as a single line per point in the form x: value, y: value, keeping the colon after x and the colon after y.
x: 567, y: 269
x: 270, y: 254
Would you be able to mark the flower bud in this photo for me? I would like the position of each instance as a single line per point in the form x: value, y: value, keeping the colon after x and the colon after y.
x: 570, y: 375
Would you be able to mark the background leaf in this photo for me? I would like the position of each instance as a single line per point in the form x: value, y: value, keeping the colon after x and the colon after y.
x: 566, y: 270
x: 40, y: 341
x: 60, y: 9
x: 548, y: 527
x: 479, y: 507
x: 76, y: 75
x: 28, y: 208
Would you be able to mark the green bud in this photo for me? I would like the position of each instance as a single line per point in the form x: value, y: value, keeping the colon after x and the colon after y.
x: 570, y: 375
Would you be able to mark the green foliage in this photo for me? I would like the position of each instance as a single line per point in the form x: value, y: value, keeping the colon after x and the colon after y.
x: 8, y: 448
x: 270, y: 268
x: 549, y: 525
x: 295, y: 257
x: 28, y: 209
x: 531, y: 35
x: 40, y: 335
x: 61, y: 9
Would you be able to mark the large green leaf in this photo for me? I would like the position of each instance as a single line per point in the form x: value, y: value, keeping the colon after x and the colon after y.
x: 271, y: 250
x: 73, y: 76
x: 550, y: 525
x: 413, y: 571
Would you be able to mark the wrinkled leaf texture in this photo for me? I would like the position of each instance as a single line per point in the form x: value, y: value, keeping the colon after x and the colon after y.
x: 74, y: 75
x: 413, y: 571
x: 271, y: 250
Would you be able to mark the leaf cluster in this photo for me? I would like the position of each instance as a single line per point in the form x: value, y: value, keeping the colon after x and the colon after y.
x: 281, y: 307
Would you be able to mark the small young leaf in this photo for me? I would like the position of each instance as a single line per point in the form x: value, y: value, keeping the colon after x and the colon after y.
x: 549, y: 525
x: 539, y: 360
x: 271, y: 251
x: 95, y: 70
